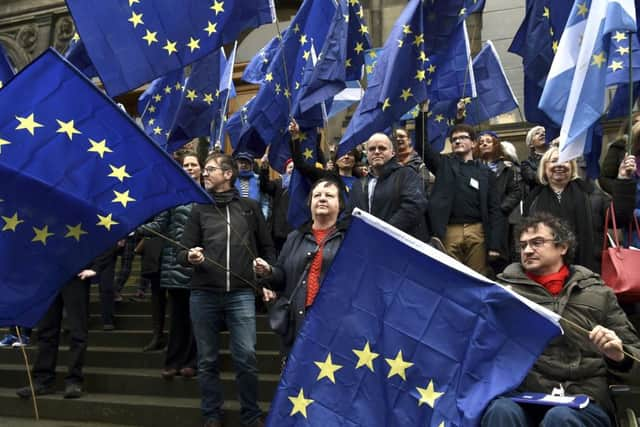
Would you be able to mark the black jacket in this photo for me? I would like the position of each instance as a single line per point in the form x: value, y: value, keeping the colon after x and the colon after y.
x: 398, y: 199
x: 292, y: 269
x: 232, y: 234
x: 447, y: 170
x: 623, y: 191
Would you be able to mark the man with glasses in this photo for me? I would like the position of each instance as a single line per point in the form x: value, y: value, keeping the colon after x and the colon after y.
x: 223, y: 239
x: 390, y: 192
x: 579, y: 361
x: 464, y: 209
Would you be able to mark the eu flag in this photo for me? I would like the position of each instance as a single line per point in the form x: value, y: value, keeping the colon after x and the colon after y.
x: 403, y: 335
x: 6, y: 70
x: 256, y: 69
x: 131, y: 42
x: 304, y: 156
x: 242, y: 135
x: 77, y: 175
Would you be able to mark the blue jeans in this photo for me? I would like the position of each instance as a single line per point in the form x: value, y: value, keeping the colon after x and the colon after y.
x: 237, y: 310
x: 504, y: 412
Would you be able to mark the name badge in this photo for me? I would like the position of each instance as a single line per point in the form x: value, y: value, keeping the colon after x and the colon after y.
x: 474, y: 183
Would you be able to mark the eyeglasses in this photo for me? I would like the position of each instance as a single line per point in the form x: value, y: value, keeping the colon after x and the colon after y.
x: 460, y: 138
x: 211, y: 169
x: 535, y: 243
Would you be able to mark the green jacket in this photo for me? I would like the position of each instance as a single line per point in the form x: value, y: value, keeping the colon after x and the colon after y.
x: 571, y: 359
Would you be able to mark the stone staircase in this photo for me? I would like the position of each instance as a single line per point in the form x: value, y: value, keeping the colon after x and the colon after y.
x: 123, y: 385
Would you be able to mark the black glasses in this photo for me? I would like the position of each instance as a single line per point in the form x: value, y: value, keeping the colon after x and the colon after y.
x: 535, y: 243
x: 460, y: 138
x: 211, y: 169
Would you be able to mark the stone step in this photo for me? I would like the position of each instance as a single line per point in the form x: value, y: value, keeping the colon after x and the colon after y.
x: 145, y: 382
x: 128, y: 306
x: 26, y: 422
x: 137, y: 322
x: 128, y: 358
x: 132, y: 410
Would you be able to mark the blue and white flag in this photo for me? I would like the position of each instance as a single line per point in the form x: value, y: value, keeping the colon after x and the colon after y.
x: 574, y: 93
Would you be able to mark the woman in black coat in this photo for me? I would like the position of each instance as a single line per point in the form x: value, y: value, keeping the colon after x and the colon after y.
x: 306, y: 256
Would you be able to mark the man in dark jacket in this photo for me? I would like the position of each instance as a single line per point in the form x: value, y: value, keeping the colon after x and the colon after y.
x: 465, y: 209
x: 391, y: 192
x: 577, y: 362
x: 223, y: 239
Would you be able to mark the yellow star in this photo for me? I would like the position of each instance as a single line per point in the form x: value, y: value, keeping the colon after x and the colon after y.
x: 373, y: 54
x: 300, y: 404
x: 400, y: 43
x: 431, y: 69
x: 167, y: 89
x: 11, y: 222
x: 150, y: 37
x: 363, y: 29
x: 369, y: 68
x: 419, y: 39
x: 554, y: 46
x: 119, y: 173
x: 131, y: 2
x: 76, y: 232
x: 386, y: 104
x: 157, y: 97
x: 106, y: 221
x: 152, y: 109
x: 136, y: 19
x: 428, y: 395
x: 297, y: 85
x: 398, y: 366
x: 151, y: 121
x: 599, y: 59
x: 75, y: 38
x: 3, y: 142
x: 286, y: 93
x: 157, y: 130
x: 306, y: 54
x: 406, y: 29
x: 439, y: 118
x: 353, y: 2
x: 546, y: 13
x: 616, y: 65
x: 618, y: 37
x: 347, y: 63
x: 327, y: 369
x: 423, y: 57
x: 303, y: 39
x: 217, y: 93
x: 193, y: 44
x: 551, y: 31
x: 429, y: 82
x: 208, y: 98
x: 67, y: 128
x: 29, y: 123
x: 582, y: 9
x: 1, y: 84
x: 406, y: 94
x: 622, y: 50
x: 463, y: 11
x: 211, y: 28
x: 41, y: 234
x: 178, y: 86
x: 218, y: 7
x: 308, y: 153
x: 296, y: 29
x: 99, y: 147
x: 277, y: 89
x: 191, y: 95
x: 170, y: 47
x: 268, y: 77
x: 122, y: 198
x: 420, y: 75
x: 359, y: 48
x: 365, y: 357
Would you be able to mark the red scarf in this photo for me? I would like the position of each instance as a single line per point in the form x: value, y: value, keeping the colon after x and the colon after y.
x: 552, y: 282
x: 313, y: 279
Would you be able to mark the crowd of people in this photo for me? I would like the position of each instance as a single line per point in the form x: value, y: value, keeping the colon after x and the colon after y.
x: 536, y: 225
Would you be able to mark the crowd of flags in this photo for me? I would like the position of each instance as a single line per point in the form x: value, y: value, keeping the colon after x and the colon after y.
x: 78, y: 173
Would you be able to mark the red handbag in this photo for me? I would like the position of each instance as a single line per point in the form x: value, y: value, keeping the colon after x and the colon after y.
x: 621, y: 266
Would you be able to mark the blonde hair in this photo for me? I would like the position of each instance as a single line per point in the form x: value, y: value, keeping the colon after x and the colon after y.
x: 546, y: 158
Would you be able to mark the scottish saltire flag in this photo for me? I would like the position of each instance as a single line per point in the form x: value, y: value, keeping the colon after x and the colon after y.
x: 342, y: 57
x: 77, y: 55
x: 6, y: 70
x: 256, y: 69
x: 494, y: 93
x: 418, y: 54
x: 158, y: 107
x: 77, y: 175
x: 574, y: 92
x: 346, y: 98
x: 274, y: 104
x: 403, y: 335
x: 203, y: 97
x: 131, y: 42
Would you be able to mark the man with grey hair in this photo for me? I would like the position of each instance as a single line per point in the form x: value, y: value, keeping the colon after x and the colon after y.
x: 391, y: 192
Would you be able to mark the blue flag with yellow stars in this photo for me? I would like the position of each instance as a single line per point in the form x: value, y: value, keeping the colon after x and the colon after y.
x: 418, y: 54
x: 256, y: 69
x: 77, y: 55
x: 77, y: 175
x: 299, y: 187
x: 278, y: 95
x: 242, y: 135
x: 6, y: 70
x: 403, y: 335
x: 342, y: 56
x: 132, y: 42
x: 203, y: 98
x: 158, y: 107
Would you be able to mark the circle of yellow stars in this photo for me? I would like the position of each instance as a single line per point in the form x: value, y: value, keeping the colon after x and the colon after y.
x: 161, y: 95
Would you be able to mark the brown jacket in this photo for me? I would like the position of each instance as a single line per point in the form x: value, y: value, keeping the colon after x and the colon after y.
x: 571, y: 359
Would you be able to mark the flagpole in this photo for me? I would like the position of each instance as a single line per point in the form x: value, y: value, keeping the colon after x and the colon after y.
x: 629, y: 139
x: 223, y: 112
x: 284, y: 64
